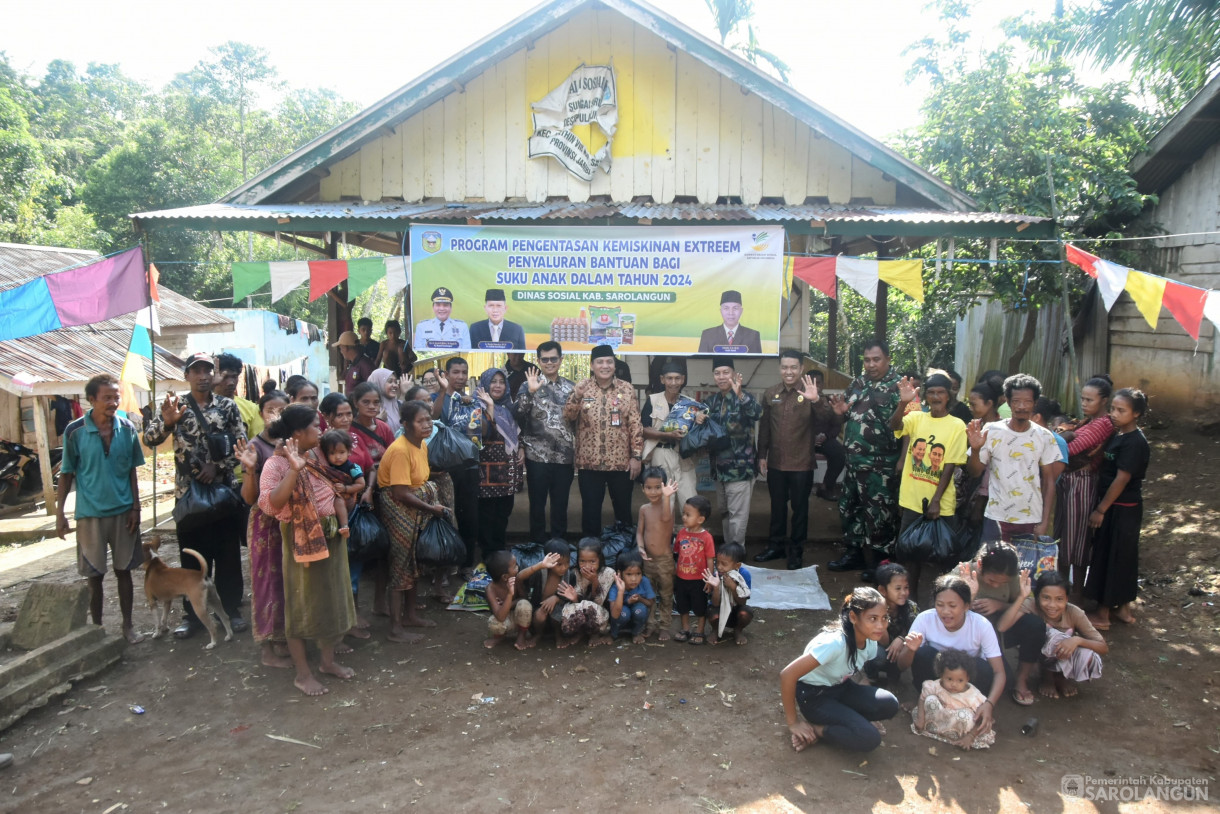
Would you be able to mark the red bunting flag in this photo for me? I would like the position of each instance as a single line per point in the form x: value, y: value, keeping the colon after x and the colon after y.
x: 325, y: 275
x: 818, y: 272
x: 1186, y: 303
x: 1083, y: 259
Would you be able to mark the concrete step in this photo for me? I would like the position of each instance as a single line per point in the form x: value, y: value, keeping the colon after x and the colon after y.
x: 33, y: 679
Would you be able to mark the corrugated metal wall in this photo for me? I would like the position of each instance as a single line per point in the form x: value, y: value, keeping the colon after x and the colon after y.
x: 989, y: 333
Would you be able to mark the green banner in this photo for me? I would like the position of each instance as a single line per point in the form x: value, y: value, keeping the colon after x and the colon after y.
x: 645, y: 289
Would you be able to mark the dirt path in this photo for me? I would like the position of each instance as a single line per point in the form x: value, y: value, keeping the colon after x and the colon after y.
x: 568, y: 730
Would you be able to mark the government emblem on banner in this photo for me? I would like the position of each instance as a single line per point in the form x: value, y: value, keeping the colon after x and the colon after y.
x: 430, y: 241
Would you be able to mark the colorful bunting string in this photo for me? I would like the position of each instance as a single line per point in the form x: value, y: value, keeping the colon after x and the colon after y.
x: 140, y: 348
x: 322, y: 275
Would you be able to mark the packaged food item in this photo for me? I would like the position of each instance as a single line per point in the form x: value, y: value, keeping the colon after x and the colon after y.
x: 627, y: 323
x: 602, y: 317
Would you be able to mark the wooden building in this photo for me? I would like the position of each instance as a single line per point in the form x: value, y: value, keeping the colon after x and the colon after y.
x: 1181, y: 167
x: 702, y: 138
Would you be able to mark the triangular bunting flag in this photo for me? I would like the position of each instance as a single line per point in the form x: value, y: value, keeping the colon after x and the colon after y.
x: 1186, y: 303
x: 248, y: 278
x: 139, y: 349
x: 325, y: 275
x: 1079, y: 257
x: 860, y: 274
x: 154, y: 276
x: 149, y: 318
x: 1147, y: 290
x: 397, y: 274
x: 904, y: 275
x: 817, y: 272
x: 786, y: 286
x: 362, y: 274
x: 1111, y: 280
x: 287, y: 276
x: 1211, y: 308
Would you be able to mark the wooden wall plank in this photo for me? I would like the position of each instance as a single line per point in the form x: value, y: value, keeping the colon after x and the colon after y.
x: 455, y: 147
x: 476, y: 130
x: 391, y: 164
x: 516, y: 123
x: 707, y: 140
x: 686, y: 125
x: 370, y: 171
x: 839, y: 169
x: 868, y: 182
x: 647, y: 62
x: 434, y: 150
x: 576, y: 50
x: 601, y: 52
x: 561, y: 54
x: 328, y: 190
x: 817, y: 169
x: 729, y: 173
x: 537, y: 85
x: 412, y: 158
x: 751, y: 149
x: 773, y: 152
x: 622, y: 170
x: 494, y: 128
x: 796, y: 158
x: 349, y: 183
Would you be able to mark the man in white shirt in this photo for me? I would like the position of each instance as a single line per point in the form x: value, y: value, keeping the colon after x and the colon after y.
x: 1019, y: 457
x: 442, y: 332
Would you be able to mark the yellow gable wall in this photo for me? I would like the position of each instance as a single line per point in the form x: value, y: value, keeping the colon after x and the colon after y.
x: 683, y: 130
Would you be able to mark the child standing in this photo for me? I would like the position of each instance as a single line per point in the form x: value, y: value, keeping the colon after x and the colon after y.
x: 818, y: 682
x: 901, y: 610
x: 583, y: 609
x: 631, y: 598
x: 1114, y: 568
x: 696, y: 552
x: 654, y: 536
x: 507, y: 611
x: 947, y: 705
x: 730, y: 587
x: 348, y: 476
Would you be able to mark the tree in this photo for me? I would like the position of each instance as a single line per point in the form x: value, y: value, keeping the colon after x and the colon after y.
x: 1173, y: 45
x: 729, y: 16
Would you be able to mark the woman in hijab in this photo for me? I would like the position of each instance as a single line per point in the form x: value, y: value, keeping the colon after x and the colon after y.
x: 501, y: 461
x: 388, y: 386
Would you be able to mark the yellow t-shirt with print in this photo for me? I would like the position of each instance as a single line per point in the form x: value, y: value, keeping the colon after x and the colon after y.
x: 934, y: 442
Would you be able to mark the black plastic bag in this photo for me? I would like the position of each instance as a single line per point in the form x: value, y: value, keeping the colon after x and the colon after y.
x: 615, y: 540
x: 204, y: 504
x: 367, y: 539
x: 928, y: 540
x: 527, y: 554
x: 440, y: 544
x: 710, y: 435
x: 450, y: 451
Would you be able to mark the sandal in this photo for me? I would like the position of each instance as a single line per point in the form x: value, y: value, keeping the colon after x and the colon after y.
x: 1026, y: 700
x: 682, y: 636
x: 698, y: 638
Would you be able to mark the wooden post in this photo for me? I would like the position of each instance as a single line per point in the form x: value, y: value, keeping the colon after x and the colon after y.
x: 882, y: 317
x: 44, y: 453
x: 832, y: 335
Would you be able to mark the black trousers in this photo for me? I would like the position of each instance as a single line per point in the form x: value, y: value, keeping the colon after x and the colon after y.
x: 553, y: 481
x: 466, y: 510
x: 219, y: 544
x: 493, y: 522
x: 835, y: 453
x: 594, y: 483
x: 789, y: 487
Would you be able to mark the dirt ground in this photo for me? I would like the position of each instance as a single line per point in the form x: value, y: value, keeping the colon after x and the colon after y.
x: 569, y: 730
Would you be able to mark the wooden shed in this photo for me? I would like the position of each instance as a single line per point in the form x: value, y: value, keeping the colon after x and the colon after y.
x: 1182, y: 167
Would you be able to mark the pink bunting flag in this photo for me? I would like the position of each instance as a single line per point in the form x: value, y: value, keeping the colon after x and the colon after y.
x: 1186, y: 303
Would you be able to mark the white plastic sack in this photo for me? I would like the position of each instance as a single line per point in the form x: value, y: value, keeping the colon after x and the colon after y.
x: 787, y: 590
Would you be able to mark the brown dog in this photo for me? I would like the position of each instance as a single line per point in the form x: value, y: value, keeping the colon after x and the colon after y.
x: 163, y: 584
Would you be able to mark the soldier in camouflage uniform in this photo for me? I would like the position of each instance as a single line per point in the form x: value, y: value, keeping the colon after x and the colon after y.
x: 868, y: 508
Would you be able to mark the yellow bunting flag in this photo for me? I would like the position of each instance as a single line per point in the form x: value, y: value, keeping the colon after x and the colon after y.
x: 1147, y: 290
x: 789, y: 263
x: 905, y: 275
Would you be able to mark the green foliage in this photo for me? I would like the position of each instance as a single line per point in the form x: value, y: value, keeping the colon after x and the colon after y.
x: 729, y: 16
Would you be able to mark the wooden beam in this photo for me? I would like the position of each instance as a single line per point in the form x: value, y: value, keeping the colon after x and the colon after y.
x: 44, y: 453
x: 293, y: 240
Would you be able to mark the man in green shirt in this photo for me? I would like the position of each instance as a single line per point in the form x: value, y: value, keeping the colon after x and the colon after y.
x: 101, y: 454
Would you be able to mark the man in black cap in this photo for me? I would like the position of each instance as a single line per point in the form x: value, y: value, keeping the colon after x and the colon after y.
x: 496, y: 332
x: 206, y: 429
x: 730, y: 336
x: 441, y: 332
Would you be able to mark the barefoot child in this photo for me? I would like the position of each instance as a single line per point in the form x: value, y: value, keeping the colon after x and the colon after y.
x: 654, y: 535
x: 547, y: 596
x: 730, y: 587
x: 631, y: 598
x: 1073, y: 647
x: 583, y: 609
x: 832, y: 707
x: 337, y: 447
x: 507, y: 612
x: 901, y: 610
x: 947, y: 706
x: 696, y: 552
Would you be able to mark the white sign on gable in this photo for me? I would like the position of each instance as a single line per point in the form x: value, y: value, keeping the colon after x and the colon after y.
x: 587, y: 96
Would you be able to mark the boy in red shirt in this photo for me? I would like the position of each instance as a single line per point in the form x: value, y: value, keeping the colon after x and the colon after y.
x: 696, y: 552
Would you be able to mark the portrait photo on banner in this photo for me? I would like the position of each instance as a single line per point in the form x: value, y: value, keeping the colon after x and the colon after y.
x: 645, y: 290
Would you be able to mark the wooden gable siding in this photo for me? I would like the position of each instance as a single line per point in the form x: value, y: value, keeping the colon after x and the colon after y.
x: 683, y: 131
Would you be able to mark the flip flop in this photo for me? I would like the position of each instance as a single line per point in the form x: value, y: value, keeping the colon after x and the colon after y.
x: 698, y: 638
x: 1025, y: 702
x: 681, y: 636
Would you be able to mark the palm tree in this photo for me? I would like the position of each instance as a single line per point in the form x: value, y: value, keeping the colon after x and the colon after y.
x: 729, y: 15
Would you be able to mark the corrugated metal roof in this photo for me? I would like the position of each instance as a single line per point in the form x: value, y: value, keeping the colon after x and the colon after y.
x: 1181, y: 142
x: 287, y: 217
x: 20, y: 263
x: 72, y: 357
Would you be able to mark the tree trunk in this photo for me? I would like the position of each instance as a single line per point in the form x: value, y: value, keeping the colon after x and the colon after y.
x: 1027, y: 339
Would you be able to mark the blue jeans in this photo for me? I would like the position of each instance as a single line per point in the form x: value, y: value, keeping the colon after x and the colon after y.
x: 634, y: 617
x: 846, y: 712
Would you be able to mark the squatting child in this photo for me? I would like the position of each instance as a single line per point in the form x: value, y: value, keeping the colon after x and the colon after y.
x: 631, y: 598
x: 730, y: 587
x: 654, y: 535
x: 893, y: 583
x: 696, y: 552
x: 544, y: 592
x: 507, y: 611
